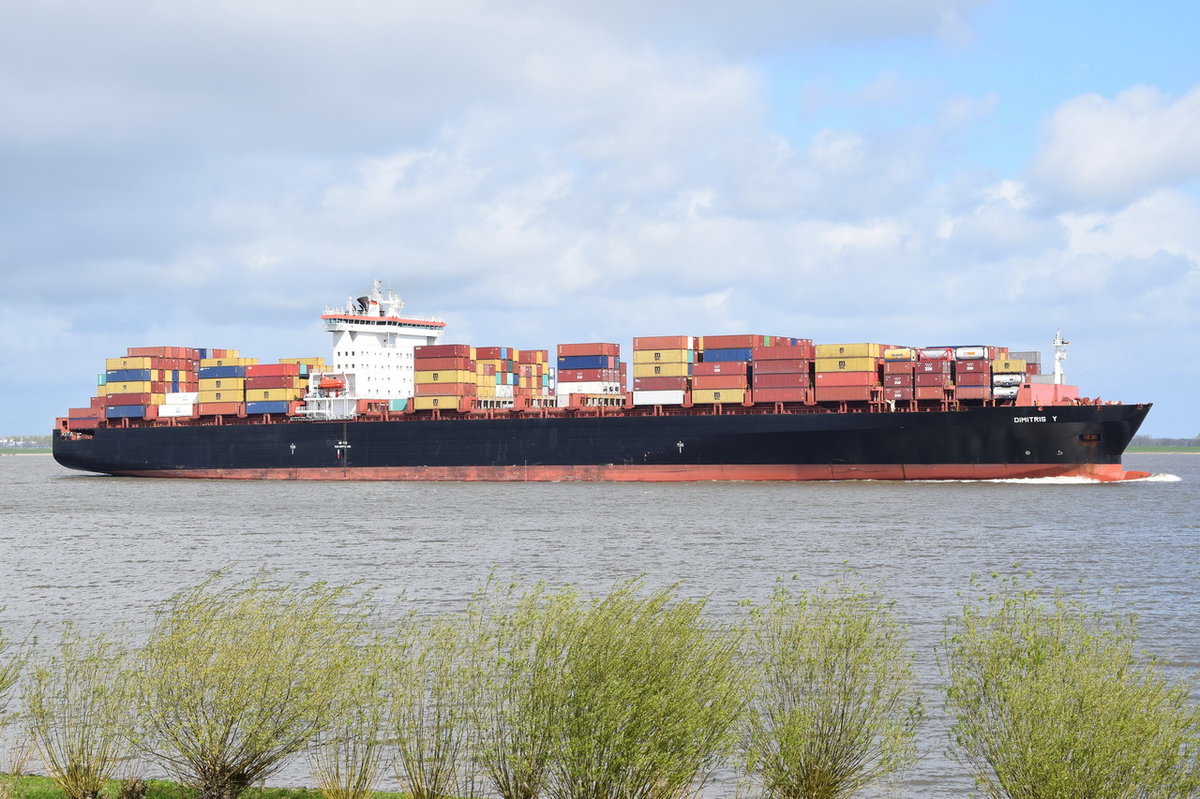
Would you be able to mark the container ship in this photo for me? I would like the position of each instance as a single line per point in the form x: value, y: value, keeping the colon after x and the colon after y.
x: 396, y: 403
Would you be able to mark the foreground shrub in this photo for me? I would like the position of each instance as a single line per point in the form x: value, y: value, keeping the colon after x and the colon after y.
x: 650, y: 693
x: 836, y: 706
x: 236, y: 678
x: 1050, y: 699
x: 75, y: 706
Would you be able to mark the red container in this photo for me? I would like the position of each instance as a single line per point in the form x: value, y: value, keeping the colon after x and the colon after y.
x: 443, y: 351
x: 492, y: 353
x: 898, y: 394
x: 719, y: 381
x: 129, y: 399
x: 663, y: 342
x: 99, y: 403
x: 899, y: 367
x: 973, y: 366
x: 783, y: 367
x: 81, y: 413
x: 155, y: 352
x: 660, y: 383
x: 845, y: 379
x: 445, y: 389
x: 898, y: 381
x: 973, y: 379
x: 263, y: 383
x: 844, y: 393
x: 533, y: 356
x: 569, y: 350
x: 934, y: 367
x: 422, y: 364
x: 936, y: 354
x: 929, y: 392
x: 721, y: 368
x: 732, y: 342
x: 221, y: 409
x: 1032, y: 368
x: 273, y: 370
x: 82, y: 423
x: 589, y: 375
x: 923, y: 380
x: 779, y: 394
x: 973, y: 392
x: 783, y: 352
x: 784, y: 380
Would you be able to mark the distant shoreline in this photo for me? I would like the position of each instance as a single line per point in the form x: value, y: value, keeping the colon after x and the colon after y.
x: 19, y: 452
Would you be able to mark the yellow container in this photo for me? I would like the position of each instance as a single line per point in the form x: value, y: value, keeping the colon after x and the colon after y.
x: 222, y: 384
x: 445, y: 376
x: 225, y: 395
x: 849, y: 351
x: 102, y: 391
x: 486, y: 389
x: 117, y: 364
x: 429, y: 403
x: 1008, y: 366
x: 899, y: 354
x: 663, y: 356
x: 227, y: 361
x: 846, y: 364
x: 273, y: 394
x: 714, y: 396
x: 662, y: 369
x: 138, y: 387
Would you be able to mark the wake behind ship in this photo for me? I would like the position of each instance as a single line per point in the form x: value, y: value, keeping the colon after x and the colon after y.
x: 396, y: 404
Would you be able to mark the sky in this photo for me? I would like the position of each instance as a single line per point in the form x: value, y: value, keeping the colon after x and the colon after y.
x: 217, y: 173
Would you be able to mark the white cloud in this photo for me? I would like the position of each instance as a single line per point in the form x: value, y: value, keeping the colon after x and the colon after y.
x: 1107, y: 153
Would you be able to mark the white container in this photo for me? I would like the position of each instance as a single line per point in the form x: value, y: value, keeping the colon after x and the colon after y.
x: 971, y: 354
x: 1005, y: 392
x: 181, y: 398
x: 504, y: 392
x: 658, y: 397
x: 175, y: 409
x: 589, y: 387
x: 1008, y: 380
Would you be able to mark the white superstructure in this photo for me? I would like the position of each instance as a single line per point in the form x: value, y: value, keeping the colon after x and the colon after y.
x: 374, y: 343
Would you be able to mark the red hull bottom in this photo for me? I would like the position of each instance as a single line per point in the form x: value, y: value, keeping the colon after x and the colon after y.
x: 1106, y: 472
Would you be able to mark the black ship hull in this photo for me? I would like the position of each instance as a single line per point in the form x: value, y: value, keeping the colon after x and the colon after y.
x: 974, y: 443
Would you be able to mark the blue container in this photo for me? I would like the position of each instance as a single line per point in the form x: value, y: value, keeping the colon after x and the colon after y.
x: 221, y: 371
x: 125, y: 411
x: 273, y: 406
x: 102, y: 379
x: 397, y: 404
x: 129, y: 375
x: 587, y: 362
x: 724, y: 356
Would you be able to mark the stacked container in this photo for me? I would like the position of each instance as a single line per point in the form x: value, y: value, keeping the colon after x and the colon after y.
x: 1007, y: 376
x: 445, y: 377
x: 848, y: 372
x: 662, y: 369
x: 933, y: 375
x: 899, y: 374
x: 223, y: 384
x: 973, y: 373
x: 495, y: 372
x: 273, y: 387
x: 533, y: 374
x: 140, y: 384
x: 782, y: 372
x: 589, y: 371
x: 723, y: 374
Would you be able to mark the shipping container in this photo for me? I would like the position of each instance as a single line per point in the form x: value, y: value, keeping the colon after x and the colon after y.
x: 274, y: 395
x: 133, y: 398
x: 898, y: 394
x: 843, y: 379
x: 898, y: 381
x: 741, y: 341
x: 224, y: 395
x: 780, y: 395
x: 437, y: 364
x: 899, y: 354
x: 660, y: 384
x: 936, y: 354
x: 662, y: 369
x: 1005, y: 392
x: 398, y: 404
x: 273, y: 370
x: 446, y: 389
x: 1008, y: 380
x: 211, y: 372
x: 221, y: 409
x: 589, y: 375
x: 587, y: 362
x: 216, y: 363
x: 973, y: 379
x: 500, y: 353
x: 935, y: 367
x: 722, y: 368
x: 117, y: 364
x: 255, y: 408
x: 445, y: 376
x: 676, y: 397
x: 718, y: 396
x: 1008, y: 365
x: 140, y: 387
x: 445, y: 403
x: 664, y: 343
x: 589, y: 387
x: 973, y: 365
x: 972, y: 353
x: 125, y: 412
x: 849, y: 364
x: 899, y: 367
x: 931, y: 379
x: 443, y: 351
x: 844, y: 393
x: 81, y: 413
x: 780, y: 380
x: 921, y: 392
x: 664, y: 356
x: 719, y: 381
x: 130, y: 375
x: 586, y: 350
x: 973, y: 392
x: 223, y: 384
x: 804, y: 351
x: 866, y: 350
x: 176, y: 410
x: 784, y: 367
x: 282, y: 381
x: 83, y: 423
x: 726, y: 354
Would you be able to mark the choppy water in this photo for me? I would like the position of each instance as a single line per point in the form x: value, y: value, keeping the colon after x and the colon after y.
x: 101, y: 551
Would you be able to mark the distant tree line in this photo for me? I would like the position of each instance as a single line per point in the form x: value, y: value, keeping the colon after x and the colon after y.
x: 1151, y: 441
x: 25, y: 442
x: 539, y: 693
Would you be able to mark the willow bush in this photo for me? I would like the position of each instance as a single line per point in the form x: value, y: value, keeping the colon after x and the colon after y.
x: 836, y: 706
x: 523, y: 633
x: 651, y: 691
x: 75, y: 708
x: 1051, y: 699
x: 236, y: 678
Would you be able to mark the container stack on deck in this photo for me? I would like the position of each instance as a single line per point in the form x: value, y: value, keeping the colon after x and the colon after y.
x: 446, y: 377
x: 590, y: 373
x: 223, y: 384
x: 782, y: 372
x: 662, y: 369
x: 533, y: 375
x: 848, y: 372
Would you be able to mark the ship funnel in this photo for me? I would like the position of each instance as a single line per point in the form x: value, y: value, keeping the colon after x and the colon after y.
x: 362, y: 303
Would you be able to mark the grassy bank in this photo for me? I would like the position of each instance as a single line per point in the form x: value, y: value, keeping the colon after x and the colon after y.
x: 34, y: 787
x: 25, y: 451
x: 1163, y: 450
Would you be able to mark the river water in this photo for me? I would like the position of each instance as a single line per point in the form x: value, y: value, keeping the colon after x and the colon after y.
x: 102, y: 551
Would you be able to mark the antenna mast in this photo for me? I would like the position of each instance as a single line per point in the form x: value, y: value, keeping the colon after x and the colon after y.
x: 1060, y: 355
